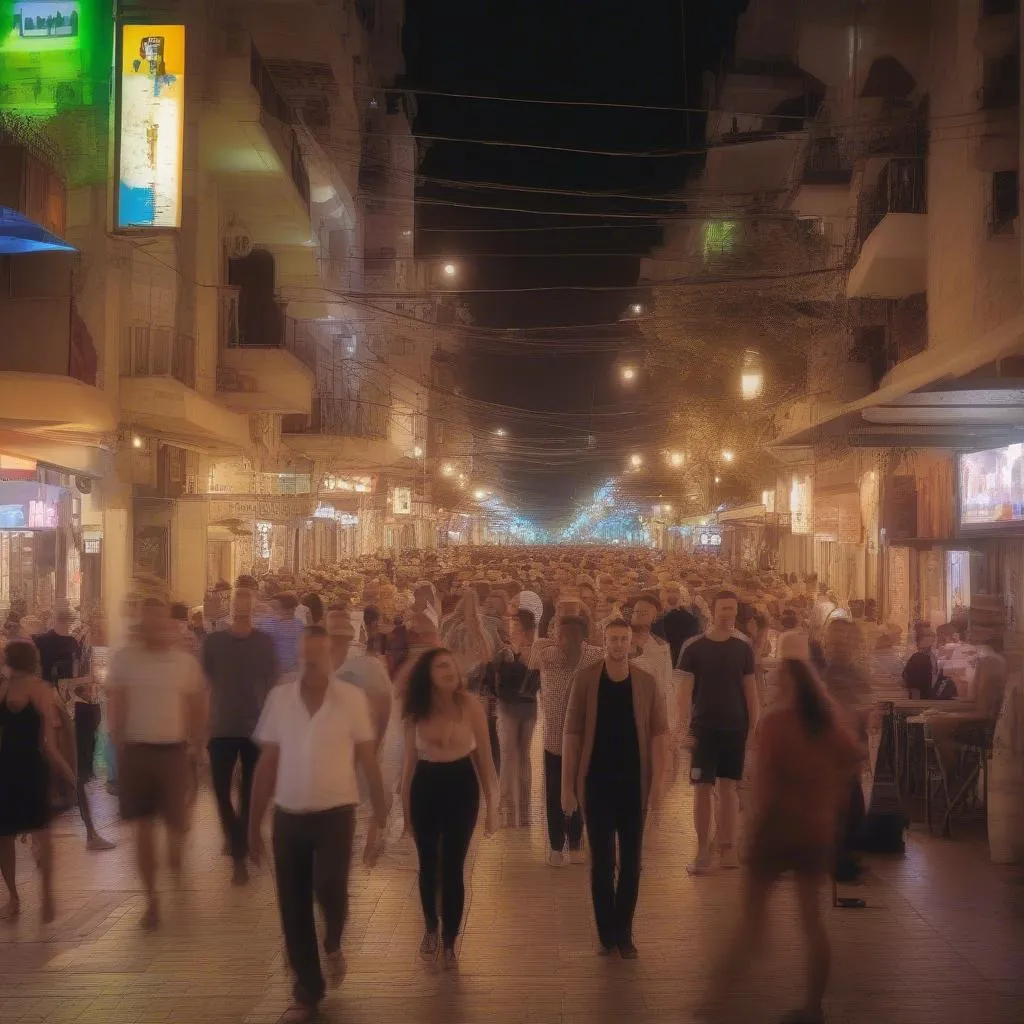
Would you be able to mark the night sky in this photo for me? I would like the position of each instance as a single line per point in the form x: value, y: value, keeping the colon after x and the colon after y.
x: 609, y: 51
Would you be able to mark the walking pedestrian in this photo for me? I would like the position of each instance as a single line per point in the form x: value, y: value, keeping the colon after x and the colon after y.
x: 807, y: 756
x: 157, y: 713
x: 447, y: 758
x: 558, y: 662
x: 28, y: 753
x: 614, y: 766
x: 718, y: 709
x: 241, y: 668
x: 313, y: 732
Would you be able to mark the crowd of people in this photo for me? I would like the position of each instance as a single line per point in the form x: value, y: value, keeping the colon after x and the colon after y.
x: 412, y: 688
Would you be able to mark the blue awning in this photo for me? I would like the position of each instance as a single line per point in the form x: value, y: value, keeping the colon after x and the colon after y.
x: 19, y: 235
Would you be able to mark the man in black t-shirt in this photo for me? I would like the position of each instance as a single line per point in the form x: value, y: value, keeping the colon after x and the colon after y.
x: 678, y: 624
x: 718, y: 708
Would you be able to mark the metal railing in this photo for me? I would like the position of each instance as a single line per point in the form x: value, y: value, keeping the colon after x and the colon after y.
x: 277, y: 107
x: 273, y: 331
x: 158, y: 352
x: 350, y: 417
x: 900, y: 188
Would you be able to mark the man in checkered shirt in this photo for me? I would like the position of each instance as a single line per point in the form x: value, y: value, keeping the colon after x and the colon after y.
x: 558, y: 661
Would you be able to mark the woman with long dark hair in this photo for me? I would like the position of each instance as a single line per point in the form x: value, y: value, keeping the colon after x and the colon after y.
x: 447, y: 759
x: 807, y: 755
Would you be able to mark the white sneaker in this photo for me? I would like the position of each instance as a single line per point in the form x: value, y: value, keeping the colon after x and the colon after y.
x: 556, y: 859
x: 701, y: 864
x: 729, y: 858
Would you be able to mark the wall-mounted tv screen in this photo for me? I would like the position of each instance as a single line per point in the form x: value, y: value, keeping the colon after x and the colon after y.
x: 992, y: 488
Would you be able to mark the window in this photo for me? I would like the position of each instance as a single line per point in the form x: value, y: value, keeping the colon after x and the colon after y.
x: 1005, y: 203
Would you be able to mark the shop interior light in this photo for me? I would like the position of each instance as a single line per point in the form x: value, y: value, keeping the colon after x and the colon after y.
x: 137, y: 441
x: 728, y: 456
x: 636, y: 461
x: 448, y: 469
x: 450, y: 270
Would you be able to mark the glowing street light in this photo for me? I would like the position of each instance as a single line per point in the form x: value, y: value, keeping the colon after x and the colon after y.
x: 718, y: 479
x: 137, y: 441
x: 636, y: 309
x: 751, y: 376
x: 636, y: 461
x: 628, y: 374
x: 448, y: 469
x: 675, y: 459
x: 501, y: 432
x: 450, y: 270
x: 728, y: 456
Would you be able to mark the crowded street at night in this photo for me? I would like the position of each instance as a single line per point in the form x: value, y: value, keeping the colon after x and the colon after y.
x: 511, y: 513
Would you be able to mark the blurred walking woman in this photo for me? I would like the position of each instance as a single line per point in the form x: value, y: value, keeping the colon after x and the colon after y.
x: 447, y: 759
x: 28, y: 749
x: 807, y: 756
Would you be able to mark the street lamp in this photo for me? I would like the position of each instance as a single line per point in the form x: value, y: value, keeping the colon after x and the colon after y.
x: 450, y: 270
x: 448, y: 469
x: 728, y: 456
x: 628, y: 374
x: 636, y: 461
x: 675, y: 459
x: 417, y: 452
x: 718, y: 479
x: 636, y: 309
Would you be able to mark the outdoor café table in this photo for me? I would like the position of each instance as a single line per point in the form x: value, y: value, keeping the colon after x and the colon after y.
x: 907, y: 751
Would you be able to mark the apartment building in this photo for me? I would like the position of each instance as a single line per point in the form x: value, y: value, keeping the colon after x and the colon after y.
x: 200, y: 342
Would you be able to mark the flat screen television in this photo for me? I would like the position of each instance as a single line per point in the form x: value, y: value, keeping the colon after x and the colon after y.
x: 991, y: 490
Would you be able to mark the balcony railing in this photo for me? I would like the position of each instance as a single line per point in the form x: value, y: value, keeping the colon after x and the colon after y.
x: 829, y: 161
x: 901, y: 188
x: 266, y: 328
x: 158, y: 352
x: 276, y: 106
x: 350, y: 417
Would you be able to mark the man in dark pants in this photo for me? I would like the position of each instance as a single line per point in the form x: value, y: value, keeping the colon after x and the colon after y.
x: 312, y: 734
x: 241, y: 669
x: 615, y: 764
x: 558, y: 662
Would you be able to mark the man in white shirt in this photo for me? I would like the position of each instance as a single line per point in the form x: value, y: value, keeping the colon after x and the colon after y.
x: 312, y: 734
x: 157, y: 710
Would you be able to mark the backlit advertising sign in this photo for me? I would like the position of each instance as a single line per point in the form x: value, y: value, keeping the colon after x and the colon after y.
x: 151, y: 122
x: 992, y: 488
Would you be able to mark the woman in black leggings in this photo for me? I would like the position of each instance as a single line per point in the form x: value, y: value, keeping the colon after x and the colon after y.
x: 447, y: 758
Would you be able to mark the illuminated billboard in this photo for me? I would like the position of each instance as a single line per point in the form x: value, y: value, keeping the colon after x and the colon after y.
x: 151, y: 122
x: 992, y: 487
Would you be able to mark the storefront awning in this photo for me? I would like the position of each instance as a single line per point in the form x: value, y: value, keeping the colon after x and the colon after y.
x: 751, y: 513
x: 934, y: 400
x: 20, y: 235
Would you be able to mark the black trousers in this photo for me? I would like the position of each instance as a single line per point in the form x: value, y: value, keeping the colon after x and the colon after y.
x: 87, y: 724
x: 614, y: 811
x: 559, y: 827
x: 225, y: 753
x: 312, y: 856
x: 444, y: 803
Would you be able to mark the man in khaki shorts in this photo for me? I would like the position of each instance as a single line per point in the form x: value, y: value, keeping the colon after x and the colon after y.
x: 157, y: 706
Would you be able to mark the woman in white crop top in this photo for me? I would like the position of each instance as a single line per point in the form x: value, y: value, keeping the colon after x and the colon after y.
x: 447, y: 759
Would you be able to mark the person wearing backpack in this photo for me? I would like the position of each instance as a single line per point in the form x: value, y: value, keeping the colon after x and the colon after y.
x: 516, y: 686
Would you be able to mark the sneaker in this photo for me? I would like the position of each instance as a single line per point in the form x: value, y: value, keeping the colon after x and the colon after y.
x: 627, y: 950
x: 729, y: 858
x: 429, y: 946
x: 577, y: 857
x: 556, y: 859
x: 337, y: 968
x: 449, y: 958
x: 701, y: 864
x: 96, y: 842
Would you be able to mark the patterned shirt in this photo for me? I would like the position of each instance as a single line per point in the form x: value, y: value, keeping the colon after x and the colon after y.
x: 556, y: 679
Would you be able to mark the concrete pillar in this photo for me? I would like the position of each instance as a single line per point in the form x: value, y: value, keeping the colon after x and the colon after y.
x: 117, y: 559
x: 189, y: 525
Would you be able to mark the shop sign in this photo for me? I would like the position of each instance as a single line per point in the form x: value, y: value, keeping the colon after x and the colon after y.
x: 277, y: 508
x: 708, y: 537
x: 150, y: 123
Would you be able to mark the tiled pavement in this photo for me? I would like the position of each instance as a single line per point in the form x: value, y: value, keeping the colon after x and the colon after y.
x: 942, y: 942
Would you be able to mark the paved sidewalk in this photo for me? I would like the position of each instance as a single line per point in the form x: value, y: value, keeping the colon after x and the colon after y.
x: 942, y: 941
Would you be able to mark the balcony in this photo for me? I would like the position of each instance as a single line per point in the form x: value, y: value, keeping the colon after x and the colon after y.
x: 260, y: 361
x: 892, y: 235
x: 355, y: 431
x: 157, y: 391
x: 248, y: 141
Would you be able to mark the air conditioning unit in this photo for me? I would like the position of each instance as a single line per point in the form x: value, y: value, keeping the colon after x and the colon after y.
x: 238, y: 241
